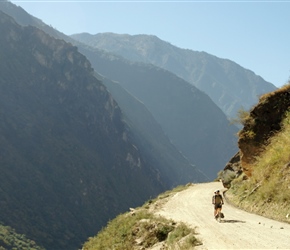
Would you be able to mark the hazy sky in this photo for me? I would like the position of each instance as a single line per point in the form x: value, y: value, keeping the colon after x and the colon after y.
x: 254, y: 34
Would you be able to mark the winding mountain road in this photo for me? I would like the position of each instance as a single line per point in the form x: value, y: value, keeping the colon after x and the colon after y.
x: 238, y: 230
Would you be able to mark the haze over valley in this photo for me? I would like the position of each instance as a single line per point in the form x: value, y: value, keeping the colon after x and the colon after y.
x: 93, y: 124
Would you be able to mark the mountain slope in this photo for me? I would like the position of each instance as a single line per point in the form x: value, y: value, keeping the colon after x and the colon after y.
x: 174, y: 160
x: 68, y: 162
x: 151, y: 139
x: 197, y: 130
x: 193, y: 123
x: 229, y: 85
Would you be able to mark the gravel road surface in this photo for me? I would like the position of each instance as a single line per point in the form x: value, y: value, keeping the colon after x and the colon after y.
x: 238, y: 230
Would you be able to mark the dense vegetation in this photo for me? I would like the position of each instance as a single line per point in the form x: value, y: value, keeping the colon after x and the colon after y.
x: 141, y: 229
x: 10, y: 240
x: 266, y: 191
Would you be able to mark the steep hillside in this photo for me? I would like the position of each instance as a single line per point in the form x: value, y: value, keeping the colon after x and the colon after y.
x: 68, y: 162
x: 23, y: 18
x: 9, y: 239
x: 141, y: 228
x: 167, y: 160
x: 229, y: 85
x: 193, y: 123
x: 263, y: 122
x: 189, y: 118
x: 263, y: 164
x: 151, y: 139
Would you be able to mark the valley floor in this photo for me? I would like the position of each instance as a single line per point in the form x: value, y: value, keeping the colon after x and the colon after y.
x: 238, y: 230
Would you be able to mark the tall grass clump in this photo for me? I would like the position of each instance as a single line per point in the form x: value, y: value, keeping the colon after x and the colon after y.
x: 242, y: 117
x: 267, y: 191
x: 143, y: 229
x: 118, y: 233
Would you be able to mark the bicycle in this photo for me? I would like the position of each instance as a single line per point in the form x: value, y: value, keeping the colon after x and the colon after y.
x: 219, y: 216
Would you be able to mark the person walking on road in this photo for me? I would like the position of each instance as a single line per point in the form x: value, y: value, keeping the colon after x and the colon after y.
x: 217, y: 201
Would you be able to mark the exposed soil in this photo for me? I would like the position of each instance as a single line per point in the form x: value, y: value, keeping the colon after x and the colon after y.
x: 238, y: 230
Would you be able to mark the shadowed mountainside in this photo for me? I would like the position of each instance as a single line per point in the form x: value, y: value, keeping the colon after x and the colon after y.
x: 151, y: 139
x: 68, y: 160
x: 192, y: 122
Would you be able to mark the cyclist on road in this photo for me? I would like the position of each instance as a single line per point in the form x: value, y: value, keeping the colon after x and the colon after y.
x: 218, y: 201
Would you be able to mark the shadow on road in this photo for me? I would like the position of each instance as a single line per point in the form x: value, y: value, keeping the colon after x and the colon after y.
x: 232, y: 221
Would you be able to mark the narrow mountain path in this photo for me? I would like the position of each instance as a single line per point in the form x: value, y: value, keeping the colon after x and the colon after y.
x: 238, y: 230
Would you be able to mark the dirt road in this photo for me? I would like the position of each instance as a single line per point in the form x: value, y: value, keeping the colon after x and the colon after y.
x: 239, y: 230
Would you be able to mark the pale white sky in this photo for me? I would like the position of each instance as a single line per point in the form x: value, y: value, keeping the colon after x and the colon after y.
x: 254, y: 34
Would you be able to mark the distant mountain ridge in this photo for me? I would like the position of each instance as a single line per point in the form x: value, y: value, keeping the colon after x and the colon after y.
x: 229, y: 85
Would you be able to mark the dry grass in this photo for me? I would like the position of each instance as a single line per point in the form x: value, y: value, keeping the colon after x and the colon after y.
x: 267, y: 192
x: 242, y: 117
x: 284, y: 88
x: 142, y: 230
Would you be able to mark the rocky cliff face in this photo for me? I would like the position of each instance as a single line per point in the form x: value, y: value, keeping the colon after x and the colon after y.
x: 262, y: 122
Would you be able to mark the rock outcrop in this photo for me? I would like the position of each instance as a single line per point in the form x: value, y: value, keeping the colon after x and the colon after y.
x: 263, y: 121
